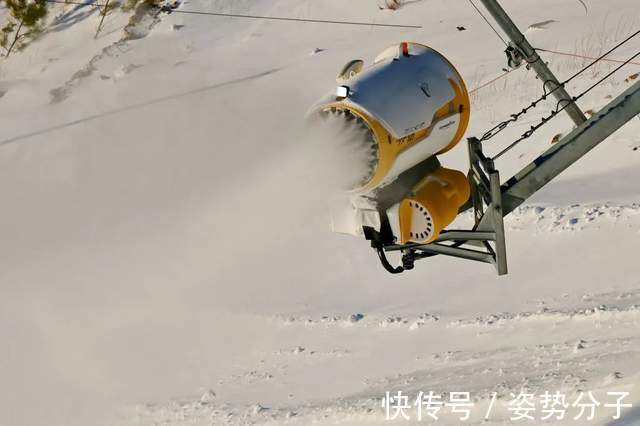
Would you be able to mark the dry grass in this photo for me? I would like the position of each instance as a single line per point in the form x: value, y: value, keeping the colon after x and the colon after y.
x: 594, y: 45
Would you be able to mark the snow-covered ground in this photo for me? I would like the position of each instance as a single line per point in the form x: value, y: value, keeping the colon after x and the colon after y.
x: 166, y: 254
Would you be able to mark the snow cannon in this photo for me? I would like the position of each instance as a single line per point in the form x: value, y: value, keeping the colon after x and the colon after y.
x: 412, y: 105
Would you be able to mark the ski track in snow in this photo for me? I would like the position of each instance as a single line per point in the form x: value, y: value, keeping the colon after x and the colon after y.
x: 577, y: 217
x: 601, y: 306
x: 573, y: 365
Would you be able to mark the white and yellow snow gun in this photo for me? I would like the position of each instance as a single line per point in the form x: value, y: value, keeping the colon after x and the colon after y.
x: 412, y: 105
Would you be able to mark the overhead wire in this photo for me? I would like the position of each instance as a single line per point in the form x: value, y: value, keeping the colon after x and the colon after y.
x: 514, y: 117
x: 575, y: 55
x: 558, y: 110
x: 493, y: 80
x: 487, y: 21
x: 604, y: 55
x: 243, y: 16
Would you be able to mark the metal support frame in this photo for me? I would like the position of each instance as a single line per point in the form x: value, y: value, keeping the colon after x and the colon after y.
x: 484, y: 243
x: 491, y: 200
x: 487, y: 201
x: 520, y: 42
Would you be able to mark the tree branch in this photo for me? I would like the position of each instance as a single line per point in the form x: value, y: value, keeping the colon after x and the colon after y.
x: 15, y: 38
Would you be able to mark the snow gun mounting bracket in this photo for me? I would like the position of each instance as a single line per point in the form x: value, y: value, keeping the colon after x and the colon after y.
x: 484, y: 243
x: 492, y: 201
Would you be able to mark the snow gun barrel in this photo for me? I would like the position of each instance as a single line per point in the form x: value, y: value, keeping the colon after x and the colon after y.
x: 413, y: 105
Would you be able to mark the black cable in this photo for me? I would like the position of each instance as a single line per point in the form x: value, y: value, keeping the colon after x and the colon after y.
x: 488, y: 23
x: 593, y: 86
x: 558, y: 110
x: 269, y: 18
x: 76, y: 3
x: 277, y: 18
x: 601, y: 57
x: 514, y: 117
x: 385, y: 262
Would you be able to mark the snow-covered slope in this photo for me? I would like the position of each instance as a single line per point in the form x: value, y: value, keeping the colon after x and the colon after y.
x: 165, y: 233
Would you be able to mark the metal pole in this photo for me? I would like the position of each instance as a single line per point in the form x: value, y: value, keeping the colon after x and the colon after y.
x: 498, y: 223
x: 533, y: 59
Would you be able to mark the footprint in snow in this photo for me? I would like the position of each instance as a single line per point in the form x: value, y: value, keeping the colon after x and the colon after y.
x: 125, y: 69
x: 208, y: 397
x: 257, y: 409
x: 612, y: 377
